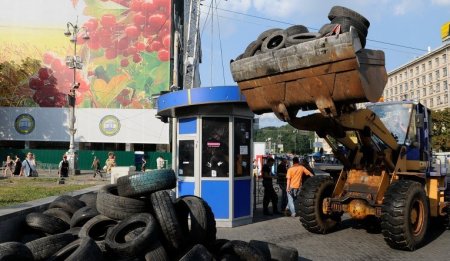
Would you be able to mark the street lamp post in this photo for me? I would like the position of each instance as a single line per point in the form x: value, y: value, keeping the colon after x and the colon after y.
x: 73, y: 62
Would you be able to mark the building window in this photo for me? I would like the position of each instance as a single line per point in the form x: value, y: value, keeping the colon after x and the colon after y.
x: 411, y: 84
x: 438, y: 87
x: 417, y: 94
x: 444, y: 58
x: 446, y: 98
x: 401, y: 77
x: 423, y: 79
x: 445, y: 85
x: 417, y: 82
x: 429, y: 65
x: 437, y: 74
x: 417, y: 70
x: 396, y: 90
x: 436, y: 61
x: 424, y: 92
x: 395, y: 78
x: 423, y: 67
x: 439, y: 100
x: 444, y: 71
x: 430, y: 77
x: 431, y: 90
x: 411, y: 72
x: 391, y: 80
x: 401, y: 88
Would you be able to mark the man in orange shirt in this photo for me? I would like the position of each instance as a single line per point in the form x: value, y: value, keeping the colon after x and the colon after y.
x: 294, y: 180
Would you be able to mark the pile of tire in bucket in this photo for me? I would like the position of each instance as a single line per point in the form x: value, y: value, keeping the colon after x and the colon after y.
x: 341, y: 19
x: 135, y: 219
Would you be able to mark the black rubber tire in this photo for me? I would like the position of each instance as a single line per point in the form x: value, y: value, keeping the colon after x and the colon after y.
x: 275, y: 41
x: 97, y: 229
x: 165, y: 213
x: 337, y: 11
x: 217, y: 245
x: 197, y: 253
x: 202, y: 222
x: 238, y: 57
x: 401, y: 198
x: 296, y: 29
x: 243, y: 250
x: 156, y: 252
x: 32, y: 235
x: 82, y: 215
x: 310, y: 205
x: 326, y: 28
x: 142, y: 184
x: 74, y: 231
x: 346, y: 22
x: 116, y: 207
x: 115, y: 239
x: 68, y: 203
x: 83, y: 249
x: 133, y: 234
x: 252, y: 49
x: 90, y: 199
x: 43, y: 248
x: 276, y: 252
x: 12, y: 251
x: 301, y: 38
x: 45, y: 223
x: 262, y: 36
x: 59, y: 213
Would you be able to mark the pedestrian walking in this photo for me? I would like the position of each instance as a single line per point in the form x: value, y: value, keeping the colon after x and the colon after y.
x: 17, y: 166
x: 143, y: 164
x: 63, y: 168
x: 110, y: 162
x: 8, y: 166
x: 294, y: 180
x: 269, y: 192
x: 29, y: 166
x: 281, y: 181
x: 96, y: 167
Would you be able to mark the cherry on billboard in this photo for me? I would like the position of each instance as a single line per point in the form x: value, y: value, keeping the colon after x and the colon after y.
x: 124, y: 62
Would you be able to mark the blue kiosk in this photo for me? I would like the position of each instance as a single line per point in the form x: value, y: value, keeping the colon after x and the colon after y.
x: 212, y: 152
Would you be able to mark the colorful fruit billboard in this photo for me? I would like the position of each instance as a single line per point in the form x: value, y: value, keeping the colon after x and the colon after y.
x: 125, y: 61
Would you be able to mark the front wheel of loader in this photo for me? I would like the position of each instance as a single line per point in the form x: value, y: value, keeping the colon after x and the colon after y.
x: 311, y: 198
x: 405, y: 215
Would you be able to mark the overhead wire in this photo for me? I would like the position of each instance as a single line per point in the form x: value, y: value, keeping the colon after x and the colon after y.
x: 311, y: 28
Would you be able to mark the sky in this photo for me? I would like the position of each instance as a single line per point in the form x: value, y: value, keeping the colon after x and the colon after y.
x: 403, y: 29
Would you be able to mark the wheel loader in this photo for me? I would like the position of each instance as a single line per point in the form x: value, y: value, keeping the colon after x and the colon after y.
x: 385, y: 148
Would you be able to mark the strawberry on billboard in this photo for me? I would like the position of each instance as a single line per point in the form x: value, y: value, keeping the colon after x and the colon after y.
x: 125, y: 61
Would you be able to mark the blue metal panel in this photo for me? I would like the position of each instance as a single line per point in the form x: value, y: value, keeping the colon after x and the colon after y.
x: 186, y: 188
x: 196, y: 96
x: 242, y: 198
x: 172, y: 99
x: 216, y: 193
x: 215, y: 94
x: 188, y: 126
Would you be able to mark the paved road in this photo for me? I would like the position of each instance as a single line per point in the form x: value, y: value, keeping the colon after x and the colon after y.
x: 351, y: 242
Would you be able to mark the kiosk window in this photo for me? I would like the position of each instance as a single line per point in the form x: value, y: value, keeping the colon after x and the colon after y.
x: 186, y: 158
x: 215, y: 147
x: 242, y: 138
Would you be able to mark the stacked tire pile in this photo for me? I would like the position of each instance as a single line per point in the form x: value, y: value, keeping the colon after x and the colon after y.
x: 133, y: 220
x: 341, y: 19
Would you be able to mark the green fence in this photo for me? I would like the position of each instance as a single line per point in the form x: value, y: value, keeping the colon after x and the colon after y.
x: 49, y: 159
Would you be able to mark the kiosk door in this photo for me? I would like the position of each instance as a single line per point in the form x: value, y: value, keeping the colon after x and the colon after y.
x: 187, y: 167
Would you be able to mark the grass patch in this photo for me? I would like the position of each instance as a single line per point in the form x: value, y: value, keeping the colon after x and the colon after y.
x: 14, y: 191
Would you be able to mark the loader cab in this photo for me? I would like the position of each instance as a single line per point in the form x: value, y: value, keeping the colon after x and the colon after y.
x: 409, y: 123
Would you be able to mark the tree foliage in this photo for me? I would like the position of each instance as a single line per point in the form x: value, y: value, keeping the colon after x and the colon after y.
x: 293, y: 140
x: 14, y: 81
x: 441, y: 130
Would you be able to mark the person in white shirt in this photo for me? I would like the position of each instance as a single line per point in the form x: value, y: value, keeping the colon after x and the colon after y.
x: 28, y: 165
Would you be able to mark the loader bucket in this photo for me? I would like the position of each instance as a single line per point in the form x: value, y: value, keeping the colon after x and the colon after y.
x: 320, y: 74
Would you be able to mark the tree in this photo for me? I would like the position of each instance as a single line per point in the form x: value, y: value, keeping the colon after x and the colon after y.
x: 14, y: 77
x: 441, y: 130
x: 293, y: 140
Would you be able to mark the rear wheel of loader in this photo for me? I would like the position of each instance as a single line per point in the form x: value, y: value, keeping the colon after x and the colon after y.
x: 311, y: 198
x: 404, y: 215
